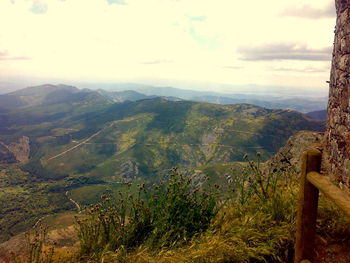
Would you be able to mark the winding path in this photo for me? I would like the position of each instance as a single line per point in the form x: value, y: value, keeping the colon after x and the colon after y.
x: 79, y: 144
x: 74, y: 202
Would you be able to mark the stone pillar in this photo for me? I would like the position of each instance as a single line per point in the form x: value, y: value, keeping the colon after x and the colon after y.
x: 337, y: 137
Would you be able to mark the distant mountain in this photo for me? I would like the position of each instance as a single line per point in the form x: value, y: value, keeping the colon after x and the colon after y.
x: 125, y: 95
x: 49, y: 95
x: 149, y: 90
x: 298, y: 104
x: 295, y: 102
x: 186, y: 94
x: 55, y: 94
x: 214, y: 89
x: 318, y: 115
x: 7, y: 87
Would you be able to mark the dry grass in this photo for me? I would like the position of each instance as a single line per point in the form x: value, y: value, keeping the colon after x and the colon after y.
x: 257, y: 230
x: 237, y: 234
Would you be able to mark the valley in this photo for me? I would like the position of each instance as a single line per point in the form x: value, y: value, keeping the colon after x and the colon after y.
x: 81, y: 144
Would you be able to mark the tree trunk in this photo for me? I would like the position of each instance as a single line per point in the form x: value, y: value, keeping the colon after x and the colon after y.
x: 337, y: 137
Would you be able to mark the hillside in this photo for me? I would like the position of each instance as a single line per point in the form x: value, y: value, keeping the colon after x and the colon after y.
x: 263, y: 227
x: 181, y: 133
x: 85, y: 144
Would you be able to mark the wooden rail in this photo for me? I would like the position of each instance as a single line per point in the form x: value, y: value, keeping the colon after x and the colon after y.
x: 311, y: 182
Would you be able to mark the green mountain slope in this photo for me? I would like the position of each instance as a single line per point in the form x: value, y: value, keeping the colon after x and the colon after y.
x: 85, y: 144
x: 145, y: 137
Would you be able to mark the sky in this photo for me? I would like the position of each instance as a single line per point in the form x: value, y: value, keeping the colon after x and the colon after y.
x: 271, y: 42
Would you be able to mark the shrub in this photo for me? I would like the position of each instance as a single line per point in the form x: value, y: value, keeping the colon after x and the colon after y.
x: 165, y: 215
x: 35, y: 249
x: 268, y: 185
x: 180, y: 211
x: 112, y: 224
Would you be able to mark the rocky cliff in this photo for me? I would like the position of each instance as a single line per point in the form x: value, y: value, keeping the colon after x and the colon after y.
x: 289, y: 156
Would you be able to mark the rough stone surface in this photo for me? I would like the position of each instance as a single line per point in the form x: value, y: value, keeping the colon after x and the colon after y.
x: 6, y: 156
x: 336, y: 153
x: 289, y: 156
x: 21, y: 149
x: 16, y: 151
x: 129, y: 169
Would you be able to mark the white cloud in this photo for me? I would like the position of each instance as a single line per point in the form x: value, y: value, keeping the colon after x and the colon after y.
x: 307, y: 11
x: 192, y: 39
x: 284, y: 51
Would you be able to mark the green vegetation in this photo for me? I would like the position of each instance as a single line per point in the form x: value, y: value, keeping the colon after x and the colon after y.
x: 83, y: 143
x: 180, y: 221
x: 24, y: 200
x: 166, y: 219
x: 167, y: 215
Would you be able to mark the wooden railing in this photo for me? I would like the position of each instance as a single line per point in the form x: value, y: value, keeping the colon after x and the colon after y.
x: 311, y: 183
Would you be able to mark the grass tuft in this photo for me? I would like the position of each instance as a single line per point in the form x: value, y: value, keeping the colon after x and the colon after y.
x: 181, y: 221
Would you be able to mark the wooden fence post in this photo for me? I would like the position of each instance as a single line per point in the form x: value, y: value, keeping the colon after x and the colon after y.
x: 307, y: 210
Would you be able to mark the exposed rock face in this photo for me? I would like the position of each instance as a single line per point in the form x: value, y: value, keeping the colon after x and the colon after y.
x: 290, y: 154
x: 16, y: 151
x: 207, y: 141
x: 21, y: 149
x: 336, y: 152
x: 129, y: 169
x: 6, y: 156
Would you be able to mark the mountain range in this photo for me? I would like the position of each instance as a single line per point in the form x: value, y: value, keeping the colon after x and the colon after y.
x: 261, y: 97
x: 58, y: 142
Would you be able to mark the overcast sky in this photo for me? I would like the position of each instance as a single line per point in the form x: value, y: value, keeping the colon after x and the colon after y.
x: 271, y: 42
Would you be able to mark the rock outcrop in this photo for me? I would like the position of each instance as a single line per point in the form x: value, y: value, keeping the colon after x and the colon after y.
x: 336, y: 153
x: 6, y: 156
x: 15, y: 151
x: 289, y: 156
x: 21, y: 149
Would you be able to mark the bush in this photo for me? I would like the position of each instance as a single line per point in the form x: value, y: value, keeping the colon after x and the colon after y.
x: 113, y: 224
x: 257, y: 182
x: 180, y: 211
x: 165, y: 215
x: 35, y: 249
